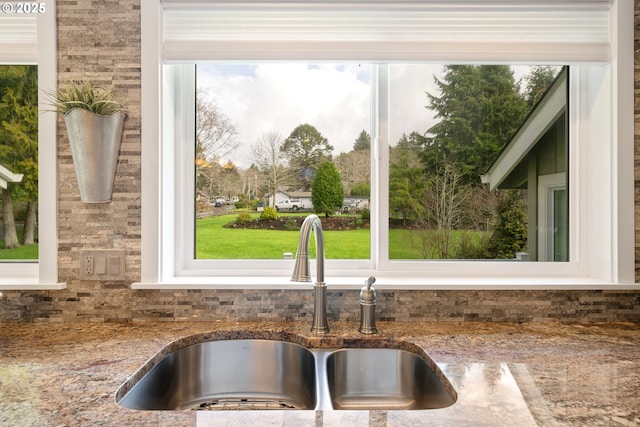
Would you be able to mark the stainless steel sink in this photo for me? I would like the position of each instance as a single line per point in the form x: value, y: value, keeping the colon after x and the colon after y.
x: 264, y: 374
x: 386, y: 379
x: 233, y: 374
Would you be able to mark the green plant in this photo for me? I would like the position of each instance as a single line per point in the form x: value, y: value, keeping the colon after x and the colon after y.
x: 510, y: 231
x: 243, y: 218
x: 85, y: 95
x: 269, y: 213
x: 327, y: 194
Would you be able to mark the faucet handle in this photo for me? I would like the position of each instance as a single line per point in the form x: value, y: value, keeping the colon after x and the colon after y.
x: 370, y: 281
x: 368, y: 293
x: 368, y: 307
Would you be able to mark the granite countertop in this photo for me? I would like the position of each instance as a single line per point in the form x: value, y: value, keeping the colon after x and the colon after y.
x: 544, y: 374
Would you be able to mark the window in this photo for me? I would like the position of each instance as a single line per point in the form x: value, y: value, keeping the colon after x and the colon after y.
x: 27, y: 48
x: 552, y: 195
x: 19, y: 161
x: 262, y: 130
x: 588, y: 257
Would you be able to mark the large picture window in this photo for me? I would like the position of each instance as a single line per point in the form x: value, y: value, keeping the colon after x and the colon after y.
x: 448, y: 125
x: 481, y: 145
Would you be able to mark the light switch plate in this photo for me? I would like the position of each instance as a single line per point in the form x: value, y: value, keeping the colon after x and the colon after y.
x: 102, y: 264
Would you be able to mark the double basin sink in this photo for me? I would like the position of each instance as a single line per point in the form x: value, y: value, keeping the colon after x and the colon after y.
x: 269, y: 374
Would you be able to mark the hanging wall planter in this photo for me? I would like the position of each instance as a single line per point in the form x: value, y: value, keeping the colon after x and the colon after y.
x: 95, y: 144
x: 94, y: 123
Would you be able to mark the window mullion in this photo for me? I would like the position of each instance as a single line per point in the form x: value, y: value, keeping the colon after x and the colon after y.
x: 380, y: 165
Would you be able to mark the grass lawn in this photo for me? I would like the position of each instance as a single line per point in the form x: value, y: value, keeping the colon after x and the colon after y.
x: 29, y: 252
x: 213, y: 241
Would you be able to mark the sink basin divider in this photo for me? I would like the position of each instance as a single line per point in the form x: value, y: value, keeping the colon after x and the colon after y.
x: 322, y: 384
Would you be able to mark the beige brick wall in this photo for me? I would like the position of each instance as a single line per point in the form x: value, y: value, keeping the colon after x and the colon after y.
x: 100, y: 41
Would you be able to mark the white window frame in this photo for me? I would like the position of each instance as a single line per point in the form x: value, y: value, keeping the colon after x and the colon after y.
x: 603, y: 246
x: 35, y: 43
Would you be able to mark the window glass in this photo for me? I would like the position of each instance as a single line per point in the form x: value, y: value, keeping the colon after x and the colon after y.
x: 19, y: 162
x: 277, y: 141
x: 450, y: 125
x: 274, y: 143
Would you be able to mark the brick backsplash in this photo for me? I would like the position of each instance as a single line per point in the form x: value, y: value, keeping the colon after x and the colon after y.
x: 100, y: 40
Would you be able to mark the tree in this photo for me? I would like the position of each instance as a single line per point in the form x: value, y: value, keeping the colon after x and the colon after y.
x: 407, y: 178
x: 361, y: 189
x: 216, y: 135
x: 19, y: 145
x: 266, y: 154
x: 305, y: 148
x: 538, y: 81
x: 354, y: 167
x: 437, y: 211
x: 327, y: 193
x: 510, y: 230
x: 480, y: 108
x: 363, y: 141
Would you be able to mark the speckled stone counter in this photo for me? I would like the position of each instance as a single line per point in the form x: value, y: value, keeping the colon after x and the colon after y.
x: 505, y: 374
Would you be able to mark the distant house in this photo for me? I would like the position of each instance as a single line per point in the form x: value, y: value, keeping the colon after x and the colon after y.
x: 536, y: 160
x: 304, y: 196
x: 6, y: 176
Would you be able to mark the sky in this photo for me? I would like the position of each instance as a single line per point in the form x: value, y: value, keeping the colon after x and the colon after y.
x: 335, y: 99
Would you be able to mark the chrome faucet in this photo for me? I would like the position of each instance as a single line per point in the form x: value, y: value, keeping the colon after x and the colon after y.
x: 301, y: 271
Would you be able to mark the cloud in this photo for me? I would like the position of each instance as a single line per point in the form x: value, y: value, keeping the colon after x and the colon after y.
x: 409, y: 84
x: 279, y: 97
x: 336, y: 99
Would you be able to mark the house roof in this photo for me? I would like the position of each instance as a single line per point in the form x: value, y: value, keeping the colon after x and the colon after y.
x: 6, y: 176
x: 297, y: 194
x: 540, y: 119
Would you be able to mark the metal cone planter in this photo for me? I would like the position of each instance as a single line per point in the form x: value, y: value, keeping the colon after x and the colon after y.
x: 95, y: 144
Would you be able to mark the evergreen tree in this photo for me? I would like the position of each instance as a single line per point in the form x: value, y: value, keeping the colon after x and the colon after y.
x: 363, y: 142
x: 480, y: 108
x: 510, y: 231
x: 406, y: 180
x: 538, y: 81
x: 327, y: 193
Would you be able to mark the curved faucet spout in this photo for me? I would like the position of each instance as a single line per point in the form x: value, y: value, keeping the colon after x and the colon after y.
x: 301, y: 271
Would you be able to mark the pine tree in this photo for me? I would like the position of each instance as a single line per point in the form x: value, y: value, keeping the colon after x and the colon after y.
x: 480, y: 108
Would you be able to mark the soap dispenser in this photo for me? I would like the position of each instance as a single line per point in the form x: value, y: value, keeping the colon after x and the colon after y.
x: 368, y: 308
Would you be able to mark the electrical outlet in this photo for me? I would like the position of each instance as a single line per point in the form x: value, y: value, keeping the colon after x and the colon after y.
x: 88, y: 264
x: 102, y: 264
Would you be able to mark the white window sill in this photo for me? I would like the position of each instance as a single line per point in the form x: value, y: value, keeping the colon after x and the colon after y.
x: 29, y: 285
x: 391, y: 283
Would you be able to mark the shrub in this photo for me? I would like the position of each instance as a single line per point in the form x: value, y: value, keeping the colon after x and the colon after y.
x: 366, y: 214
x: 510, y: 231
x: 243, y: 218
x: 471, y: 245
x: 268, y: 214
x: 327, y: 194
